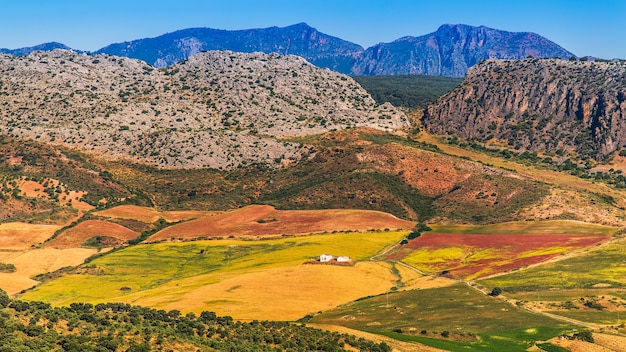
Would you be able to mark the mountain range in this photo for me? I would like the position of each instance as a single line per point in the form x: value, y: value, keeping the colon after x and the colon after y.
x: 449, y: 51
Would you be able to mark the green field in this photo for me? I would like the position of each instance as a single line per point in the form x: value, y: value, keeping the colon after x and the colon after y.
x: 566, y: 227
x: 458, y: 309
x: 519, y: 340
x: 143, y: 272
x: 602, y: 269
x: 592, y: 316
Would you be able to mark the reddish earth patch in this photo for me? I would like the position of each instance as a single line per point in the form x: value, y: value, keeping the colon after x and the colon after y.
x: 110, y: 233
x: 150, y: 215
x: 264, y: 221
x: 484, y: 255
x: 35, y: 189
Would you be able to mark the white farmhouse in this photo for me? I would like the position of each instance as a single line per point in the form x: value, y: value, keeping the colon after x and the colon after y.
x: 326, y: 258
x: 343, y: 259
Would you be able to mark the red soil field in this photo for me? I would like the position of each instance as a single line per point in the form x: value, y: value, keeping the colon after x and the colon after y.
x: 77, y: 235
x: 150, y: 215
x: 265, y: 221
x: 488, y: 254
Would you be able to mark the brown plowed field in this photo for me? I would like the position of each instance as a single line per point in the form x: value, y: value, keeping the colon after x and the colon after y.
x: 78, y: 234
x: 265, y: 221
x: 150, y: 215
x: 469, y: 256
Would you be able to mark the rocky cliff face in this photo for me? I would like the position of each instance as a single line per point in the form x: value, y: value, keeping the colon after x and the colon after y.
x: 300, y: 39
x: 218, y: 109
x: 539, y: 105
x: 451, y: 50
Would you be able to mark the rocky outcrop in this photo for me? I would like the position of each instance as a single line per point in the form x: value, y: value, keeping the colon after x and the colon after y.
x: 218, y: 109
x: 539, y: 105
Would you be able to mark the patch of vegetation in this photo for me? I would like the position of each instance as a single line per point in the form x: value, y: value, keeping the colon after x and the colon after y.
x: 7, y: 268
x: 409, y: 91
x: 548, y: 347
x: 418, y: 310
x: 38, y: 162
x: 580, y: 168
x: 380, y: 138
x: 519, y: 340
x: 36, y: 326
x: 521, y: 227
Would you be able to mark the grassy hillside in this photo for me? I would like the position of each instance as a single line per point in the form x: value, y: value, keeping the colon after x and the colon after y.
x: 440, y: 318
x: 409, y: 91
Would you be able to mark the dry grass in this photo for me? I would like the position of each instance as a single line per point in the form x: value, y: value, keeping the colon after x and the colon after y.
x: 286, y: 293
x: 580, y: 346
x: 20, y: 236
x: 38, y: 261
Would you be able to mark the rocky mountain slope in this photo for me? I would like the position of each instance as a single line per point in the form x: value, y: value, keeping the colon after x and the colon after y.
x: 539, y: 105
x: 451, y: 50
x: 217, y: 109
x: 300, y: 39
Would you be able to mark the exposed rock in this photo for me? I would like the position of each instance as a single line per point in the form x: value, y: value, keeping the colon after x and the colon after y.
x: 539, y: 105
x: 218, y: 109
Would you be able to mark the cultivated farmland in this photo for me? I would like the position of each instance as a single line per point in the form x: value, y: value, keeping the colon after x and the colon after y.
x: 470, y: 252
x: 258, y: 221
x: 194, y: 276
x: 454, y: 318
x: 150, y: 215
x: 105, y: 233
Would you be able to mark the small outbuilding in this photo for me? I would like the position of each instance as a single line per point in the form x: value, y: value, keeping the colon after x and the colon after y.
x: 343, y: 259
x: 326, y: 258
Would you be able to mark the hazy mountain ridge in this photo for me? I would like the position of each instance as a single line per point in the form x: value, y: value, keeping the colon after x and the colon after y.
x: 539, y: 105
x: 218, y: 109
x: 41, y: 47
x: 300, y: 39
x: 449, y: 51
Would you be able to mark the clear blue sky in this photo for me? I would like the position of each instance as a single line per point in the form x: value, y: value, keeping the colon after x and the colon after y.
x: 591, y: 27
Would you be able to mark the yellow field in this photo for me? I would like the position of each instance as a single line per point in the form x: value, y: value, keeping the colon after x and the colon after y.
x: 20, y: 236
x: 287, y: 293
x: 244, y: 279
x: 38, y: 261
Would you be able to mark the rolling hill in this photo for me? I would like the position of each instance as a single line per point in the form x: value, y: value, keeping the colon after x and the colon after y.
x: 218, y: 109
